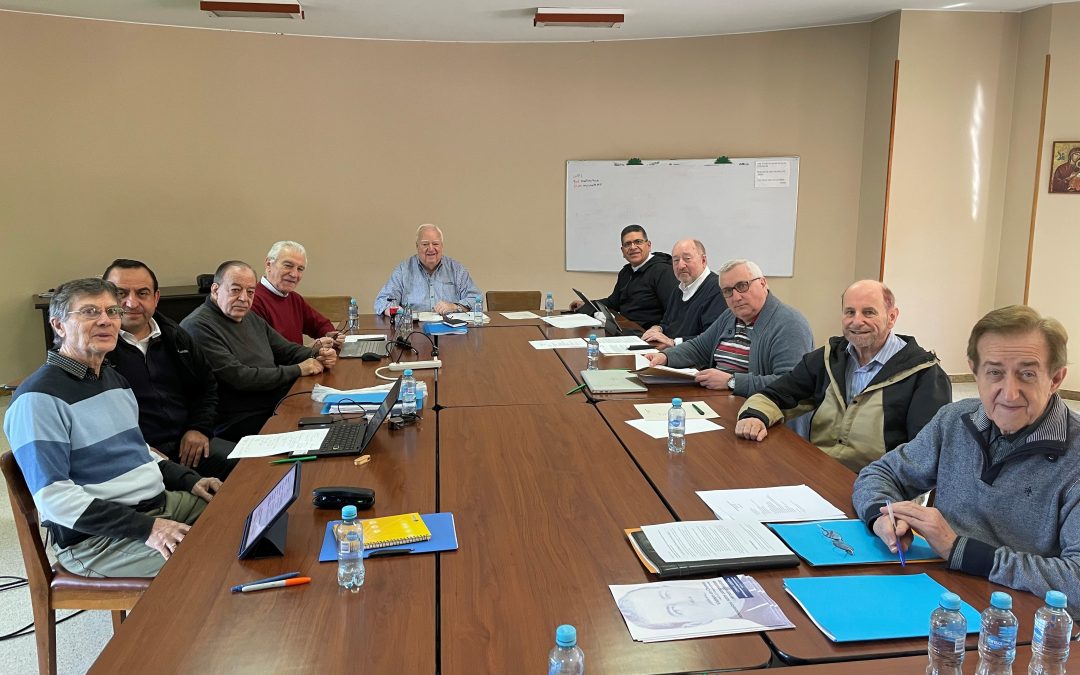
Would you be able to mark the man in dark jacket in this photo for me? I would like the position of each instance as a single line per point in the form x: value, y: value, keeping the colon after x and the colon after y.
x: 870, y: 390
x: 169, y: 375
x: 645, y: 284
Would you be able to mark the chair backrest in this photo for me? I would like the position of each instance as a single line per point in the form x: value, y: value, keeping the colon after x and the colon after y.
x: 333, y: 307
x: 38, y: 571
x: 503, y: 300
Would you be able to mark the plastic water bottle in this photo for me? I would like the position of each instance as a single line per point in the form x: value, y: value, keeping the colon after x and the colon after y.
x: 352, y: 326
x: 676, y: 426
x: 549, y: 305
x: 592, y: 352
x: 408, y: 393
x: 350, y: 571
x: 1050, y: 644
x: 566, y: 658
x: 997, y: 639
x: 948, y: 634
x: 477, y: 311
x: 403, y: 322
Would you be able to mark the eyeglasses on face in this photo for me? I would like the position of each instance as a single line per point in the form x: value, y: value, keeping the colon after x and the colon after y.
x: 742, y: 287
x: 91, y: 313
x: 634, y: 242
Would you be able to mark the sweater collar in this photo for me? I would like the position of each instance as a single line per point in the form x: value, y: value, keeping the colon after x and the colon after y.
x: 1052, y: 426
x: 270, y: 287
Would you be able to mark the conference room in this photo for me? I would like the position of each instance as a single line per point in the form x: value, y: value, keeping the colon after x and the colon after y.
x: 924, y: 139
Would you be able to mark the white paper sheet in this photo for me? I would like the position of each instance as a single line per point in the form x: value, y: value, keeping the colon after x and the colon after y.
x: 319, y: 392
x: 361, y: 338
x: 692, y: 540
x: 783, y: 504
x: 466, y: 316
x: 621, y: 350
x: 659, y: 411
x: 571, y: 321
x: 265, y: 445
x: 520, y: 315
x: 658, y: 428
x: 567, y: 343
x: 428, y: 317
x: 621, y: 340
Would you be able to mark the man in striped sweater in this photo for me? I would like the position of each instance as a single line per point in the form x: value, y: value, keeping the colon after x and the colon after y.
x: 112, y: 507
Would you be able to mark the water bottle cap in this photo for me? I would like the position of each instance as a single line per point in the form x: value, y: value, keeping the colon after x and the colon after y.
x: 348, y: 512
x: 592, y: 336
x: 352, y: 301
x: 408, y: 372
x: 566, y: 635
x: 676, y: 403
x: 950, y: 600
x: 1056, y: 599
x: 1001, y: 600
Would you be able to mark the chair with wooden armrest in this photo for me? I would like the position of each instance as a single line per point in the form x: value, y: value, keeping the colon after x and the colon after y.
x: 508, y: 300
x: 51, y: 586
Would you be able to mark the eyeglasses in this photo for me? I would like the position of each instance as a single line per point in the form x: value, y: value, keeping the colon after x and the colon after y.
x: 742, y: 287
x: 431, y: 244
x: 635, y: 242
x: 91, y: 313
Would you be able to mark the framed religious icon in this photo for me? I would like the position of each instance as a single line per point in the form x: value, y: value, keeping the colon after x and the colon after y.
x: 1065, y: 167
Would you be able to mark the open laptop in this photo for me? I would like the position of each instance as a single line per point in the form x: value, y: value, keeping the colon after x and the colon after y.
x: 354, y: 349
x: 348, y: 437
x: 611, y: 326
x: 589, y: 307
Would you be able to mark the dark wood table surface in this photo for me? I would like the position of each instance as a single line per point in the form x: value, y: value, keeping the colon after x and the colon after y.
x: 539, y: 546
x: 189, y: 622
x: 907, y: 665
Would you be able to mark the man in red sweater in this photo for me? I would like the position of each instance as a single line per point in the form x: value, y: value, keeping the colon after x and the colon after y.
x: 277, y: 301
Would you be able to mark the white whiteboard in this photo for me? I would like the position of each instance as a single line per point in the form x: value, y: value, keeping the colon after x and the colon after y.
x: 745, y: 209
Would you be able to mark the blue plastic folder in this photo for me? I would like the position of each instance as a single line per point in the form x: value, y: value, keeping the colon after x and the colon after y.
x: 439, y: 328
x: 872, y: 607
x: 441, y: 526
x: 845, y: 542
x: 373, y: 397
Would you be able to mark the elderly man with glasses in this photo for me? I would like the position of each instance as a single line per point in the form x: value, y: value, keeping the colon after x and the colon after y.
x: 112, y: 506
x: 755, y: 341
x: 428, y: 281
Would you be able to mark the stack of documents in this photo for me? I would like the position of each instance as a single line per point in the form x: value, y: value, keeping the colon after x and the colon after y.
x: 566, y: 343
x: 782, y: 504
x: 265, y: 445
x: 571, y: 321
x: 708, y: 547
x: 520, y: 315
x: 651, y: 374
x: 466, y: 316
x: 679, y: 610
x: 654, y: 418
x: 619, y: 345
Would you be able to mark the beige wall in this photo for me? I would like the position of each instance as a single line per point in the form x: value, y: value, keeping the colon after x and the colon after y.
x: 1057, y: 226
x: 186, y: 147
x: 949, y: 163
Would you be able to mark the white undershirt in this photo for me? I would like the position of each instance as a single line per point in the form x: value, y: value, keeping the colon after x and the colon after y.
x: 270, y: 287
x: 689, y: 290
x: 642, y: 263
x: 144, y: 343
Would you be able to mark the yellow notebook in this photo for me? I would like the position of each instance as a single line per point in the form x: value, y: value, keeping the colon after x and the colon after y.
x: 406, y: 528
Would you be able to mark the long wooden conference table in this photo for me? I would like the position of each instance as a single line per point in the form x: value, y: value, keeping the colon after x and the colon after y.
x: 541, y: 485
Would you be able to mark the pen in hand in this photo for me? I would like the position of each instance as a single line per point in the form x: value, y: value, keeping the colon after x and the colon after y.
x: 899, y: 546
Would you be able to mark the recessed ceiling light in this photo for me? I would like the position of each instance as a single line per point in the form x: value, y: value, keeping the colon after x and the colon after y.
x: 583, y: 18
x: 257, y: 9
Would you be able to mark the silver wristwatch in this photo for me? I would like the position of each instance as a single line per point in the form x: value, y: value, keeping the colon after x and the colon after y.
x: 731, y: 383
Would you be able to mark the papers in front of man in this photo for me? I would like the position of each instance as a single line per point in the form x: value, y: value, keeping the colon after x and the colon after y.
x: 662, y: 374
x: 363, y: 338
x: 658, y: 428
x: 658, y: 411
x: 520, y: 315
x: 846, y: 542
x: 679, y: 610
x: 612, y: 381
x: 566, y: 343
x: 708, y: 547
x: 782, y: 504
x: 619, y: 345
x: 265, y: 445
x: 428, y: 317
x: 467, y: 316
x: 571, y: 321
x: 872, y: 607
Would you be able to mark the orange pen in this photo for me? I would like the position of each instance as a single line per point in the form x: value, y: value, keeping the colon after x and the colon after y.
x: 298, y: 581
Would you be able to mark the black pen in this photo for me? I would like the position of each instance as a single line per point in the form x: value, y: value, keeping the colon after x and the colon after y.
x: 699, y: 410
x: 387, y: 552
x: 637, y: 347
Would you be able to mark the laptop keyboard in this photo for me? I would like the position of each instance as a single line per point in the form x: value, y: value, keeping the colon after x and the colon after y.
x: 354, y: 349
x: 343, y: 437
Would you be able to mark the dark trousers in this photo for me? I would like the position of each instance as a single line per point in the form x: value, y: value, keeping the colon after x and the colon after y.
x: 217, y: 465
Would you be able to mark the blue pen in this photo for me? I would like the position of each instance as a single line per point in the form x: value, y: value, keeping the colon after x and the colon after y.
x: 281, y: 577
x: 892, y: 518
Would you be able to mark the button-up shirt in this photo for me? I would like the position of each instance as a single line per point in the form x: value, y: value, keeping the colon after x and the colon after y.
x: 860, y: 376
x: 411, y: 285
x: 143, y: 344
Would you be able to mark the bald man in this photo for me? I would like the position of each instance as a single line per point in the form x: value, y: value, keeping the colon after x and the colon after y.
x: 871, y: 390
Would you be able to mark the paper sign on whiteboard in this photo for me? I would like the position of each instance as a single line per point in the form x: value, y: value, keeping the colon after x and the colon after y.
x: 772, y: 173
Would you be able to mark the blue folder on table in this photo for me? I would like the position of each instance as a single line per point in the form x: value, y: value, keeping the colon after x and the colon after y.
x: 441, y: 526
x: 873, y: 607
x: 374, y: 398
x: 440, y: 328
x: 845, y: 542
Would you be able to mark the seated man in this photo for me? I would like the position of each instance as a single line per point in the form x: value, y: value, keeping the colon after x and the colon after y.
x: 277, y: 301
x: 755, y: 341
x: 113, y: 508
x: 428, y: 281
x: 168, y: 374
x: 1005, y: 466
x: 645, y: 285
x: 870, y: 389
x: 253, y: 364
x: 694, y: 304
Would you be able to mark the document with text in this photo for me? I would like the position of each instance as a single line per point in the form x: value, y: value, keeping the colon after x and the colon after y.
x: 782, y: 504
x: 713, y: 540
x: 567, y: 343
x: 265, y: 445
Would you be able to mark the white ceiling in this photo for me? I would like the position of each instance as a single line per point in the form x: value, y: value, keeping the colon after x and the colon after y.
x: 509, y: 20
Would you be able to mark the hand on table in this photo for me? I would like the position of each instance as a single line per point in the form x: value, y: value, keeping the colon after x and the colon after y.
x: 751, y: 428
x: 194, y: 447
x: 656, y: 337
x: 712, y: 378
x: 327, y: 357
x: 444, y: 307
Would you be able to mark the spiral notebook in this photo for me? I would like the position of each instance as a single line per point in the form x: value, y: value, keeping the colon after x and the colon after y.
x: 407, y: 528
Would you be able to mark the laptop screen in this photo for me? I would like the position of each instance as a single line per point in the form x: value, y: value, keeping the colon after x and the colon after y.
x: 382, y: 413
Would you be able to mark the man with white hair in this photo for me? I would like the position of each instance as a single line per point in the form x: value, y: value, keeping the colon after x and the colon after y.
x: 277, y: 301
x: 755, y: 341
x: 428, y: 281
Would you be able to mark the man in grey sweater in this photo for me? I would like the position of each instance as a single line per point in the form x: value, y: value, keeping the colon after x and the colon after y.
x: 253, y: 363
x: 755, y: 341
x: 1006, y: 466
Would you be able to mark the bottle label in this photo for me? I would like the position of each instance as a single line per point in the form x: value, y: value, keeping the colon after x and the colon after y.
x: 1004, y: 640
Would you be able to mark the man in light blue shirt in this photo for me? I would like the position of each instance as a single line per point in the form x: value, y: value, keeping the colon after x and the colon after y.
x: 428, y: 281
